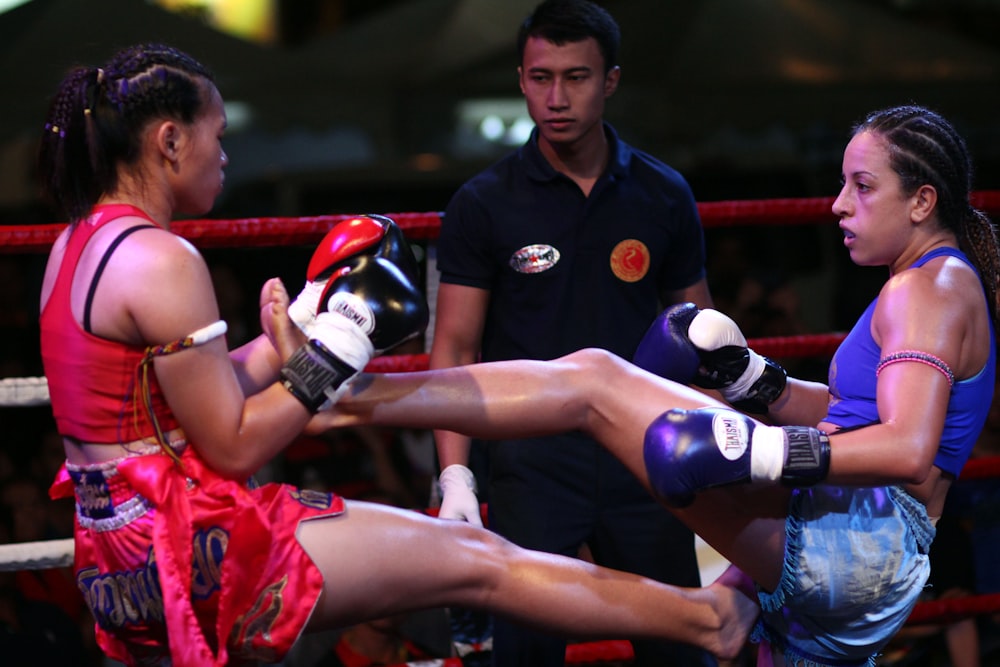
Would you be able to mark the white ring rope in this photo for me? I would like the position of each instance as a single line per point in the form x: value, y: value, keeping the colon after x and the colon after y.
x: 24, y: 392
x: 43, y: 555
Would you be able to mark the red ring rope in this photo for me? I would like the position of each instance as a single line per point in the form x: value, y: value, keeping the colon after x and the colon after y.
x: 981, y: 468
x: 271, y: 231
x: 583, y: 653
x: 953, y: 609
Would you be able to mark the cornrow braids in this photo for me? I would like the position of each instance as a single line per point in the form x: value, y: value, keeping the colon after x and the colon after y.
x: 924, y: 148
x: 979, y: 241
x: 97, y: 116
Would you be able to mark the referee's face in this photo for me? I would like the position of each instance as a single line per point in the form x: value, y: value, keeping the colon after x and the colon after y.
x: 565, y: 87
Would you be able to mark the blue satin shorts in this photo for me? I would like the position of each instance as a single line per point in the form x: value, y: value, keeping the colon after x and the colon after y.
x: 855, y: 565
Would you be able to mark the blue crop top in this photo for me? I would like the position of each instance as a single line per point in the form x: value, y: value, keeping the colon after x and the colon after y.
x: 852, y: 394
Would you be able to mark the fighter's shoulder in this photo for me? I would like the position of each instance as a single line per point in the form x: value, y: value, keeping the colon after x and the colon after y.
x: 924, y: 297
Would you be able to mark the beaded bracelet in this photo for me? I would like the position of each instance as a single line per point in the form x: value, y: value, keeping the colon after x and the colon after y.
x: 919, y: 357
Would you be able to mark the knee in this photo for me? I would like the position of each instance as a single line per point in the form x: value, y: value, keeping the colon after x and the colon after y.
x: 484, y: 557
x: 479, y: 546
x: 594, y: 366
x: 596, y: 373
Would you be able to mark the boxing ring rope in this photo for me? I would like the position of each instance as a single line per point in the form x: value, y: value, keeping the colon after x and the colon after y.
x: 271, y: 231
x: 283, y: 231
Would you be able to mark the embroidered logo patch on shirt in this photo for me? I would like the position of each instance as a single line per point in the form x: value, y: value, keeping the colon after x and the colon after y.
x: 534, y: 258
x: 630, y: 260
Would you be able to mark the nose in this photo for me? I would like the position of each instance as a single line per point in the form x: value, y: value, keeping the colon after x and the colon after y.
x: 839, y: 207
x: 557, y: 95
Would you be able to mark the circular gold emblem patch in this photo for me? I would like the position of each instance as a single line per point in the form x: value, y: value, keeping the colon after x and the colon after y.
x: 630, y: 260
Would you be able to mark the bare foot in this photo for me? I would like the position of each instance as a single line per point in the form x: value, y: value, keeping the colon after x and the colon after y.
x: 735, y: 600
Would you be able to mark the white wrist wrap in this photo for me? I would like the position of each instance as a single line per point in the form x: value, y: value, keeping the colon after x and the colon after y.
x: 302, y: 311
x: 344, y: 338
x: 767, y: 453
x: 738, y: 390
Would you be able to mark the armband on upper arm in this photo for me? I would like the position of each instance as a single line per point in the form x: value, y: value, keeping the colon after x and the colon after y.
x: 920, y: 357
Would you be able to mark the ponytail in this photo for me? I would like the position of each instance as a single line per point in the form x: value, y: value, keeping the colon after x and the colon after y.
x: 979, y: 241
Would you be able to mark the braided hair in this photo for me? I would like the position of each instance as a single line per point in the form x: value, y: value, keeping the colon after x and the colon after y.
x: 924, y: 148
x: 97, y: 116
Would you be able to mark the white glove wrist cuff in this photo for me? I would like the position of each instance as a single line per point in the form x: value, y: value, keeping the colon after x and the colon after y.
x: 343, y: 337
x: 738, y: 390
x: 767, y: 453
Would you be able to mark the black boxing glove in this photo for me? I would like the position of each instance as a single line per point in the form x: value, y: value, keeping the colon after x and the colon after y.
x: 369, y: 305
x: 378, y: 296
x: 372, y: 235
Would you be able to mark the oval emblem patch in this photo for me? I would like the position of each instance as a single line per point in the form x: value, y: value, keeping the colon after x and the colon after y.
x: 534, y: 258
x: 630, y: 260
x: 732, y: 436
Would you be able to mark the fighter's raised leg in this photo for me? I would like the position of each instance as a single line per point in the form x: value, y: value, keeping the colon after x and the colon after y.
x: 590, y: 390
x: 427, y: 562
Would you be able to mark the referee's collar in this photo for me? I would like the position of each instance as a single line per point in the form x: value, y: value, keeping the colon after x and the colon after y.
x: 538, y: 168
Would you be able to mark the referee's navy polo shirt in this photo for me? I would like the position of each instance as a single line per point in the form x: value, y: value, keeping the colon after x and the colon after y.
x: 567, y: 271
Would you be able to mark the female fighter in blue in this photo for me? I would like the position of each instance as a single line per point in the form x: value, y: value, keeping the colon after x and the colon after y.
x: 832, y: 520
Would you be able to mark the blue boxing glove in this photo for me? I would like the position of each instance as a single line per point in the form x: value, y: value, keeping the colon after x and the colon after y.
x: 666, y: 350
x: 684, y: 336
x: 687, y: 451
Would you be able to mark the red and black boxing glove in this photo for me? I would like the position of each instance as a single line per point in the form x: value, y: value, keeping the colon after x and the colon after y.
x: 379, y: 297
x: 369, y: 305
x: 371, y: 235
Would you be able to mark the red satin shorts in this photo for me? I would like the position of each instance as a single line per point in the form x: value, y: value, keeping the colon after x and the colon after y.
x: 181, y: 566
